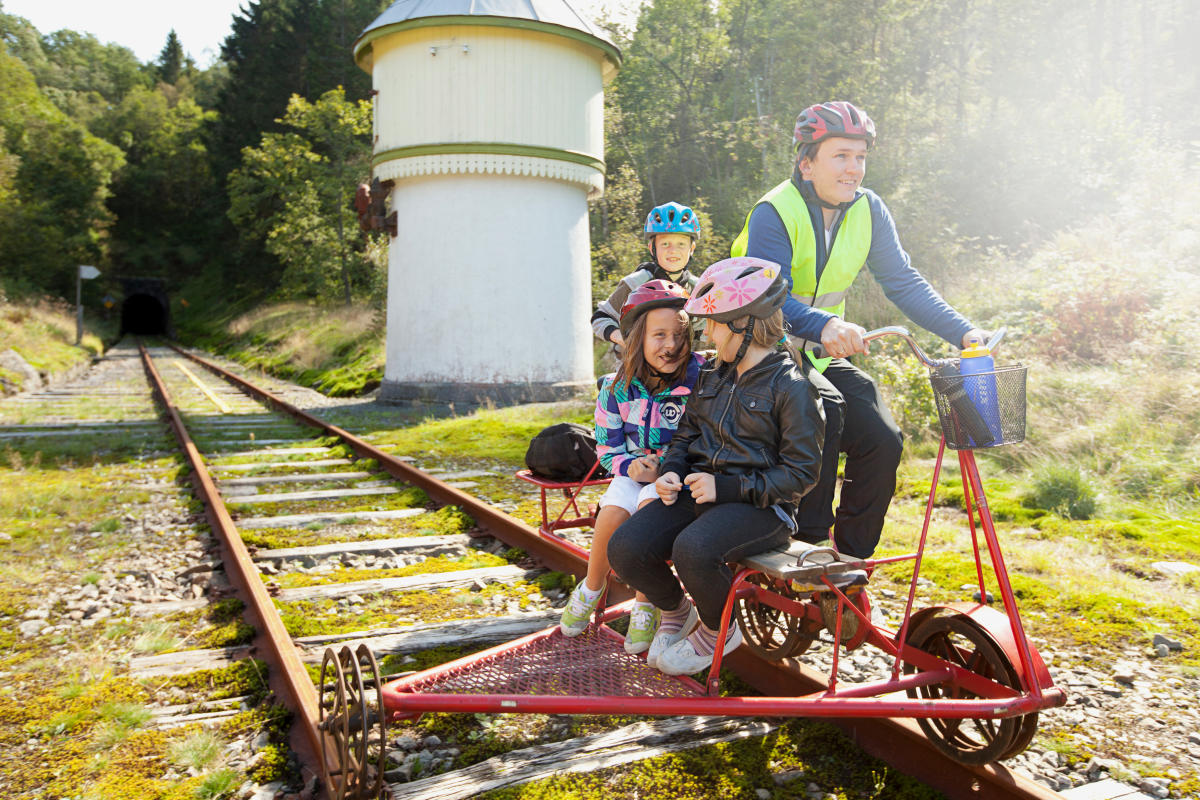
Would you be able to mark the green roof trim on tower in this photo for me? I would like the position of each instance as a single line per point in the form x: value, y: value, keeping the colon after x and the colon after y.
x: 490, y: 148
x: 555, y: 17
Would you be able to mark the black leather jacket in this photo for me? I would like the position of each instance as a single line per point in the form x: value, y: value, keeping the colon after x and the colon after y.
x: 760, y: 435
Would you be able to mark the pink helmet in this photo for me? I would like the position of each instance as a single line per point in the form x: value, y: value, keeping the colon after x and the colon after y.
x: 649, y: 296
x: 737, y: 287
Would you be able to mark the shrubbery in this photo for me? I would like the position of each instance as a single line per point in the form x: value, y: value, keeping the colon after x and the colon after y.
x: 1064, y: 489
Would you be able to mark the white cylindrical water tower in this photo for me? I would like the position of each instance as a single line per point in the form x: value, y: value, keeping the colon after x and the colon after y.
x: 489, y: 121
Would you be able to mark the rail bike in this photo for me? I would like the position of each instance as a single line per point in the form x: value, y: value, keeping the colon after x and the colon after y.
x: 966, y: 672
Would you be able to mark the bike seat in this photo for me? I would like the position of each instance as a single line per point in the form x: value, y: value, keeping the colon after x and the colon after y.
x: 807, y: 564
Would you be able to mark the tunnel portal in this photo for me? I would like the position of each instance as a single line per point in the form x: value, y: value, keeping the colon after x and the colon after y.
x: 144, y: 312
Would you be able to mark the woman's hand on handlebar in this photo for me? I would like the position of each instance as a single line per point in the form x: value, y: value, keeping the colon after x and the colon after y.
x: 668, y: 487
x: 841, y: 339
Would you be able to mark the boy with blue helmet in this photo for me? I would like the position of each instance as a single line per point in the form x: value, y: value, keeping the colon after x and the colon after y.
x: 671, y: 233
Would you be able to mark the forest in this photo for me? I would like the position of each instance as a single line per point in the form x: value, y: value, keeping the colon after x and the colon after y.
x: 1000, y: 125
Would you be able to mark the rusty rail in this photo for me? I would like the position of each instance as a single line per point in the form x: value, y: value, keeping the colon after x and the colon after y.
x: 287, y: 670
x: 899, y: 742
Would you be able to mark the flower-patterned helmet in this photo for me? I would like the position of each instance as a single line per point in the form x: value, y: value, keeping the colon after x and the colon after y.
x: 738, y: 287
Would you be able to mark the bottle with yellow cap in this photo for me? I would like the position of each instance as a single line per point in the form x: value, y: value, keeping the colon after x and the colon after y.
x: 979, y: 382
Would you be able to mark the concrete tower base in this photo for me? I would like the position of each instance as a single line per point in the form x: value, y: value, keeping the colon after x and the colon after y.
x: 489, y: 290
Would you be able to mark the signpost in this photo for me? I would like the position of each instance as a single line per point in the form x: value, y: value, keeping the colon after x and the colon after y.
x: 86, y: 273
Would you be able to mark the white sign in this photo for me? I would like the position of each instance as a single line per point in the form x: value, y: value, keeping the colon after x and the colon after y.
x: 87, y: 273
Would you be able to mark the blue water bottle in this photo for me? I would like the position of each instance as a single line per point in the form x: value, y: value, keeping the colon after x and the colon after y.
x: 979, y: 382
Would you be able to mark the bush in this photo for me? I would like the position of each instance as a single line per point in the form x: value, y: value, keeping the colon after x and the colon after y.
x: 1065, y: 490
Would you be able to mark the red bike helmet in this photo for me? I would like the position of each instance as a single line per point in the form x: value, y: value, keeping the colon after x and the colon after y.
x: 839, y: 118
x: 649, y: 296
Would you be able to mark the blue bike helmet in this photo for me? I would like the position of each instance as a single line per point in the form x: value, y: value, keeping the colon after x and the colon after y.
x: 672, y: 218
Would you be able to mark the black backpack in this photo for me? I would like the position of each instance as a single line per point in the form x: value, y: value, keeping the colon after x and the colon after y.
x: 564, y: 452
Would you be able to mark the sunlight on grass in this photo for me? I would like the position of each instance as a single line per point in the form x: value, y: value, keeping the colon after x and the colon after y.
x: 218, y: 785
x: 502, y: 433
x: 156, y: 637
x: 198, y: 751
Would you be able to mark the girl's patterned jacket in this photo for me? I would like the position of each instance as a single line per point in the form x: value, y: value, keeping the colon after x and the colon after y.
x: 631, y: 423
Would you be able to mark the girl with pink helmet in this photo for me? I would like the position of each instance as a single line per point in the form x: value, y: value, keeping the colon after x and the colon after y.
x: 637, y: 412
x: 748, y: 448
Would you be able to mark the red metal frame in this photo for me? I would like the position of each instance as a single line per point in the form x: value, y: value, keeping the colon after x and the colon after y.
x: 571, y: 491
x: 876, y: 699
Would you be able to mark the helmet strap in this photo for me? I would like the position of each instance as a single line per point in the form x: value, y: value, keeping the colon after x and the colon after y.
x: 747, y: 337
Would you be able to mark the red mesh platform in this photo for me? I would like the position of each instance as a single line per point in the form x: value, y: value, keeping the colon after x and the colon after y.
x: 593, y: 664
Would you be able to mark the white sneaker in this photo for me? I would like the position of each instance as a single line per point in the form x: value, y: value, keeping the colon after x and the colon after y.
x: 664, y: 640
x: 682, y: 658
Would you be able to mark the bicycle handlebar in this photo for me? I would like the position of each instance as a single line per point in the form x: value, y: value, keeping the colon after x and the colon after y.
x: 902, y: 332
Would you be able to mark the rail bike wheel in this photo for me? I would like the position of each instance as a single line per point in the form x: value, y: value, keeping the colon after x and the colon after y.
x: 961, y: 641
x: 769, y: 632
x: 352, y: 719
x: 854, y: 632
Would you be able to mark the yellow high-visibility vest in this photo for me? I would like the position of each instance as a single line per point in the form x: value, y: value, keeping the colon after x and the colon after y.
x: 846, y: 259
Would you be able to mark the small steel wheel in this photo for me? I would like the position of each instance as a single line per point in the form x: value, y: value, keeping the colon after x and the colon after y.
x: 352, y: 723
x: 959, y: 640
x: 769, y: 632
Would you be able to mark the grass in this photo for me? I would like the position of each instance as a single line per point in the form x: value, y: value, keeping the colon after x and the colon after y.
x: 198, y: 751
x: 42, y: 332
x: 335, y: 349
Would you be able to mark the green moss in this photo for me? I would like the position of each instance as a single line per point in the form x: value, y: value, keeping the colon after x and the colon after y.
x: 272, y: 765
x: 430, y: 566
x: 311, y: 618
x: 816, y: 751
x: 408, y: 497
x: 245, y: 677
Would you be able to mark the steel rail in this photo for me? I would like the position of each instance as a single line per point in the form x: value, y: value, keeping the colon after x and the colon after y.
x: 899, y: 742
x: 287, y: 670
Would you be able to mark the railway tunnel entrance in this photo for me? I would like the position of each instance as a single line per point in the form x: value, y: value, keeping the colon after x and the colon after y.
x: 145, y: 311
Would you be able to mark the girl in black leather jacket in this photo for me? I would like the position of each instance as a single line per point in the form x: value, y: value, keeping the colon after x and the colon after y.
x: 748, y: 448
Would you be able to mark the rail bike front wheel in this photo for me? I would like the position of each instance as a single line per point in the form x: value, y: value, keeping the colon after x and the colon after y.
x: 353, y: 724
x: 960, y: 640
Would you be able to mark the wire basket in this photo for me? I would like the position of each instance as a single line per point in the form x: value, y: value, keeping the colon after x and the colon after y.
x: 986, y: 409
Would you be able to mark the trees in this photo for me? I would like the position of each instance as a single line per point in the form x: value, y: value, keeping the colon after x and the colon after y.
x: 293, y: 191
x: 54, y: 180
x: 170, y: 60
x: 279, y: 48
x: 167, y: 203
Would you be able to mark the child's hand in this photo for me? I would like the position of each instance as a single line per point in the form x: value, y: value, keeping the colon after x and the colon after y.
x: 644, y: 469
x: 703, y: 486
x: 668, y: 487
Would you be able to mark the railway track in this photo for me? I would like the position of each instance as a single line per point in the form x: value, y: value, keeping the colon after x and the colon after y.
x: 244, y: 464
x: 899, y: 743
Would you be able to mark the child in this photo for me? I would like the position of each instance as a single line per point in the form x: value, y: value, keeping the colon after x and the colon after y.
x: 636, y: 414
x: 671, y: 233
x: 747, y: 450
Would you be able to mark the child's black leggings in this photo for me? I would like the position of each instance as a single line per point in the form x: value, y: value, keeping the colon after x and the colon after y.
x: 700, y: 540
